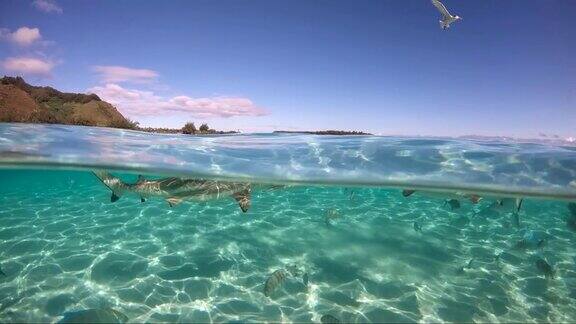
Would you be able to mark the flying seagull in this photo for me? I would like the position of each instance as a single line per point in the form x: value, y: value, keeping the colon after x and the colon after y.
x: 447, y: 18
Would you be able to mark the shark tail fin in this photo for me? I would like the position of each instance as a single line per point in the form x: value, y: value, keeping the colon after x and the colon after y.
x: 243, y: 199
x: 113, y: 183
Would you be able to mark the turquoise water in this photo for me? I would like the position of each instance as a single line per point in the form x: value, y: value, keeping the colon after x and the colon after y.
x: 328, y: 212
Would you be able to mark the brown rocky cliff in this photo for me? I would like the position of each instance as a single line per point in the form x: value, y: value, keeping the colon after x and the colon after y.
x: 16, y: 105
x: 21, y: 102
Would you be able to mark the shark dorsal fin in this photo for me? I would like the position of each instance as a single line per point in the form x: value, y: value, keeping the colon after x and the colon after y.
x: 243, y: 199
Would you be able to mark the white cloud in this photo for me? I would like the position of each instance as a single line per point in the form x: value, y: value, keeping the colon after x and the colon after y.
x: 219, y: 106
x: 23, y: 36
x: 47, y: 6
x: 145, y: 103
x: 28, y: 66
x: 117, y: 74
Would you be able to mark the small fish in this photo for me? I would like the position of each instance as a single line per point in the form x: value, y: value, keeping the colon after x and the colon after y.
x: 417, y: 227
x: 545, y: 268
x: 516, y: 212
x: 330, y: 215
x: 274, y: 281
x: 305, y: 279
x: 329, y: 319
x: 101, y: 315
x: 462, y: 269
x: 352, y: 195
x: 405, y: 193
x: 530, y: 240
x: 510, y: 204
x: 454, y: 203
x: 518, y: 204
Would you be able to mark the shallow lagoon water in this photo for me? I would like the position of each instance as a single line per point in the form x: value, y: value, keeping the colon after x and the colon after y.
x: 65, y: 247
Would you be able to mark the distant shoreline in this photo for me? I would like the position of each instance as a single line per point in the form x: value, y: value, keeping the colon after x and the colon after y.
x: 160, y: 130
x: 325, y: 132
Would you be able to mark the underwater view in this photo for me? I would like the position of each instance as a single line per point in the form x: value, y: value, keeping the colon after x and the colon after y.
x: 109, y: 225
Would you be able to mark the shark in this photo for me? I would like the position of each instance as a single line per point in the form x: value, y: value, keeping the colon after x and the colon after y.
x: 176, y: 190
x: 449, y: 197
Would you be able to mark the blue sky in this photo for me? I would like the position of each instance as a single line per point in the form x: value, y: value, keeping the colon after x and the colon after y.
x: 507, y: 68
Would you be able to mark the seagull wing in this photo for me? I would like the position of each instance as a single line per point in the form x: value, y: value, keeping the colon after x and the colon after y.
x: 441, y: 8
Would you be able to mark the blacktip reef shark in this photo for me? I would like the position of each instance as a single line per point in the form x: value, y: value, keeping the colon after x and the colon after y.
x: 177, y: 190
x: 444, y: 195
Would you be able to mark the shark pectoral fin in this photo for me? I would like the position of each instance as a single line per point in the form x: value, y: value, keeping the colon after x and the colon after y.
x: 407, y: 193
x: 173, y: 201
x: 243, y: 199
x: 114, y: 197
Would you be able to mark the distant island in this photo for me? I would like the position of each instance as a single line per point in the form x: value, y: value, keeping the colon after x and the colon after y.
x: 325, y: 132
x: 21, y: 102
